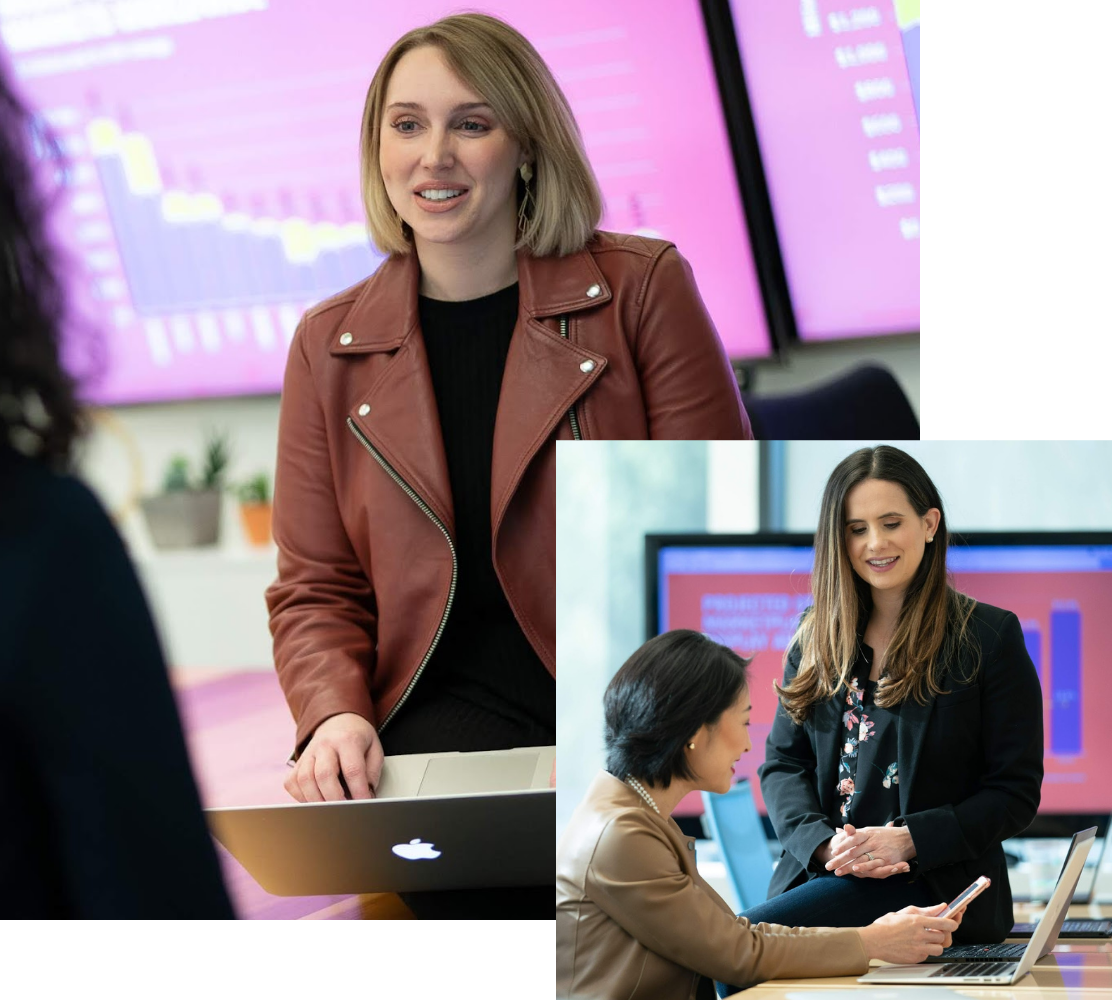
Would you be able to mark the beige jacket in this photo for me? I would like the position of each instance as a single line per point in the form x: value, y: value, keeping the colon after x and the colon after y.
x: 635, y: 920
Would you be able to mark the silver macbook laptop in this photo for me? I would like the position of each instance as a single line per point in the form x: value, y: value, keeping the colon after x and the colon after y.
x: 1003, y: 973
x: 440, y: 821
x: 1086, y: 893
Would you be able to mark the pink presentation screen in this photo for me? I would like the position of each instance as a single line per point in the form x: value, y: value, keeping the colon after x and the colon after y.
x: 750, y: 598
x: 834, y: 91
x: 214, y: 189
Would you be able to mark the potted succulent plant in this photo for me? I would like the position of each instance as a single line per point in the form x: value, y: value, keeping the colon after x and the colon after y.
x: 187, y: 514
x: 254, y: 508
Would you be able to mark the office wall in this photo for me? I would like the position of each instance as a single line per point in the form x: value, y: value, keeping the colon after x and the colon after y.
x: 985, y: 485
x: 608, y: 496
x: 208, y: 603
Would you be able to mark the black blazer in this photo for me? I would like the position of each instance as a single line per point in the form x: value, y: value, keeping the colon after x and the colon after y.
x: 970, y: 775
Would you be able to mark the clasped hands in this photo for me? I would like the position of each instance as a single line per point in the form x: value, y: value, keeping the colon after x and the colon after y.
x: 846, y: 852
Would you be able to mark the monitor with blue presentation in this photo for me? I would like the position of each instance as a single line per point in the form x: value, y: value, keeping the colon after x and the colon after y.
x: 748, y: 591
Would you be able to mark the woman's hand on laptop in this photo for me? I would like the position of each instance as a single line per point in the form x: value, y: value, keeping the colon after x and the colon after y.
x: 343, y: 745
x: 910, y: 935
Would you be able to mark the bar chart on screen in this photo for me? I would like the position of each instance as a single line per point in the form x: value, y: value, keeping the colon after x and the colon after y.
x: 834, y: 90
x: 213, y: 184
x: 186, y: 272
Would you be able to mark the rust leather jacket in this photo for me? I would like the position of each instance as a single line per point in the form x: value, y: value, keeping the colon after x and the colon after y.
x: 636, y: 921
x: 613, y: 340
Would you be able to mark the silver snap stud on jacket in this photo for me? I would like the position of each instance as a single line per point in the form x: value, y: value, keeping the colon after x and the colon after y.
x: 587, y: 366
x: 364, y: 410
x: 593, y: 291
x: 345, y: 339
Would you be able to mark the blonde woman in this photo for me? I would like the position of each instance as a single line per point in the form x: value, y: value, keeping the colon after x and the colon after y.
x: 634, y: 918
x: 908, y: 740
x: 414, y: 498
x: 414, y: 605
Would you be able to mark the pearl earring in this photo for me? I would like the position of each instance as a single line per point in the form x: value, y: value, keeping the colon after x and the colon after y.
x: 930, y: 539
x: 690, y: 746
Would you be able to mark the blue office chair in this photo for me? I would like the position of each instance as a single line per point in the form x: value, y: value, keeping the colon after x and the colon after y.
x: 864, y: 403
x: 735, y: 824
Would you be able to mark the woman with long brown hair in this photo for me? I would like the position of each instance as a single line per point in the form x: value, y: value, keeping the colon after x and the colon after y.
x: 908, y: 740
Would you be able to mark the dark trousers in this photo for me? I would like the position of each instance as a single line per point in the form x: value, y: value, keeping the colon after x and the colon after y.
x: 838, y: 901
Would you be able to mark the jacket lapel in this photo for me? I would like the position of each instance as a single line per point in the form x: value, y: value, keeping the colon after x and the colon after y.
x: 543, y: 377
x: 402, y: 421
x: 544, y: 374
x: 831, y: 735
x: 913, y: 730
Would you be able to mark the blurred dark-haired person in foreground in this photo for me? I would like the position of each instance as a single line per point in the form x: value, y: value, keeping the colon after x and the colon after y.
x: 634, y: 919
x: 101, y: 817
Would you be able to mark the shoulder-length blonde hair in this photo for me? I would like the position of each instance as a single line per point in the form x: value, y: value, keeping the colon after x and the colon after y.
x: 933, y: 624
x: 499, y: 64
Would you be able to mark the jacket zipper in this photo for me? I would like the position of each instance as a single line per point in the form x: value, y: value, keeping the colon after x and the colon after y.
x: 427, y: 511
x: 576, y: 436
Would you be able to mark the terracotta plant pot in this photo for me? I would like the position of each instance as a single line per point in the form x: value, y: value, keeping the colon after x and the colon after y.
x: 183, y: 520
x: 256, y: 522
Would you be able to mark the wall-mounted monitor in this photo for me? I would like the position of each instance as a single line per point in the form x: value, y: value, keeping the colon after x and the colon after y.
x: 213, y: 193
x: 748, y: 591
x: 833, y: 94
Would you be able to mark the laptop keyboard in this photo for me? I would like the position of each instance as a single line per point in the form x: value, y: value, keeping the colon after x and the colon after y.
x: 965, y: 952
x: 1086, y: 926
x: 975, y: 969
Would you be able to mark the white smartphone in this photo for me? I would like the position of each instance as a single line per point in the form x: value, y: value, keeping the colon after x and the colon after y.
x: 966, y: 896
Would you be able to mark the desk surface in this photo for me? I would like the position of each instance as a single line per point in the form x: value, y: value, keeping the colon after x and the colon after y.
x: 1082, y: 971
x: 1079, y: 968
x: 831, y: 989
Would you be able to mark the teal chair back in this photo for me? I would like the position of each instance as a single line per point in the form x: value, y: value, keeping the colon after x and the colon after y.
x: 735, y: 824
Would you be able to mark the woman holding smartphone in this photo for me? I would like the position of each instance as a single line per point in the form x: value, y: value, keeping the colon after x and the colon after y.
x: 634, y: 918
x: 908, y: 741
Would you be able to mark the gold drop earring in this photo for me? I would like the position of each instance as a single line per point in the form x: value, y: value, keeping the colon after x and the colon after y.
x: 527, y: 203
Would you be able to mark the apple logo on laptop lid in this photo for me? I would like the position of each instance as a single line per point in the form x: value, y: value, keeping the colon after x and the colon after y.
x: 415, y: 850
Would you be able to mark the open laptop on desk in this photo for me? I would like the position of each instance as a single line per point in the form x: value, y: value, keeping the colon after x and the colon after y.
x: 440, y: 821
x: 1080, y: 928
x: 975, y: 968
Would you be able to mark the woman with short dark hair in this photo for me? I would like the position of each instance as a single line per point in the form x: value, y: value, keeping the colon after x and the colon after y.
x: 634, y: 919
x: 908, y: 741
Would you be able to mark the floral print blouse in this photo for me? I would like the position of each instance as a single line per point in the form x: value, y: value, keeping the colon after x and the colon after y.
x: 868, y: 772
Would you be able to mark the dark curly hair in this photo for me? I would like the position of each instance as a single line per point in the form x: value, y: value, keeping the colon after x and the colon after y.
x: 672, y: 686
x: 39, y: 410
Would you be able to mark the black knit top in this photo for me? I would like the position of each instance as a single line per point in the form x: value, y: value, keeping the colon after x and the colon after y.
x: 484, y: 688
